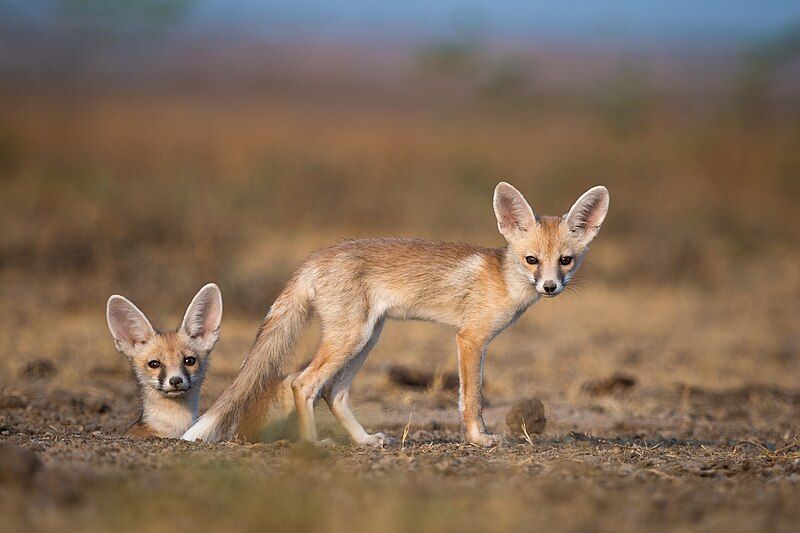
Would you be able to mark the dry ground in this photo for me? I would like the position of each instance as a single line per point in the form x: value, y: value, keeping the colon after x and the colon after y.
x: 706, y: 438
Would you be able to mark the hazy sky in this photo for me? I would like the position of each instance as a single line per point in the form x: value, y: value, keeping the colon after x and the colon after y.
x: 685, y: 23
x: 609, y: 21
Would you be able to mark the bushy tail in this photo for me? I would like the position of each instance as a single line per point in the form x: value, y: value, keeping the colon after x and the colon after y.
x: 260, y: 390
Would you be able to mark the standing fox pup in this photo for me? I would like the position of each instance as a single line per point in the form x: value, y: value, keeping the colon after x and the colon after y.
x: 169, y: 367
x: 354, y: 286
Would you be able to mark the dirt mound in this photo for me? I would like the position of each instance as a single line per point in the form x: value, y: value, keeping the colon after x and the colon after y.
x: 39, y: 369
x: 605, y: 387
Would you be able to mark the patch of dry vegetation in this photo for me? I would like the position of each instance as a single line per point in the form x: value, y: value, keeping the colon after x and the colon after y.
x: 162, y: 189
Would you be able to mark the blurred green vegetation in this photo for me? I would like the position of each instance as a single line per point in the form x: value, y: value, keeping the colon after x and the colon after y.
x: 761, y: 63
x: 121, y: 16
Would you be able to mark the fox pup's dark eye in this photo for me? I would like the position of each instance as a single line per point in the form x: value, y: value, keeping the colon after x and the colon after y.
x: 154, y: 363
x: 565, y: 260
x: 189, y: 361
x: 531, y: 260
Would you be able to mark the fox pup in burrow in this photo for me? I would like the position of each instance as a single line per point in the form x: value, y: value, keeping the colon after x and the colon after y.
x: 169, y: 367
x: 354, y: 286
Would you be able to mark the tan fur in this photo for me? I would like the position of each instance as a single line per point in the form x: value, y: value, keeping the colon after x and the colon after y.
x: 354, y: 286
x: 141, y: 430
x: 267, y: 415
x: 167, y: 409
x: 164, y: 416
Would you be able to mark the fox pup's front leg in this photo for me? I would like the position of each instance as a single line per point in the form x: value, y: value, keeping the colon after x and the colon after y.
x: 471, y: 352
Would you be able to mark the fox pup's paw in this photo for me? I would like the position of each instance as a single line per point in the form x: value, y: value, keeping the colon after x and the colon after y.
x: 378, y: 440
x: 486, y: 439
x: 325, y: 443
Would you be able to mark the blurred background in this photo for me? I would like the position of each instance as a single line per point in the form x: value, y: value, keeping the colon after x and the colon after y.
x: 148, y: 146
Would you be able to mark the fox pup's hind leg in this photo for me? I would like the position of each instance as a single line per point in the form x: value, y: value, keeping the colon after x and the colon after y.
x: 471, y: 353
x: 337, y: 349
x: 336, y: 394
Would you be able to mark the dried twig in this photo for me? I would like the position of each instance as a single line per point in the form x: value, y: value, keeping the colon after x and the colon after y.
x: 405, y: 433
x: 525, y: 432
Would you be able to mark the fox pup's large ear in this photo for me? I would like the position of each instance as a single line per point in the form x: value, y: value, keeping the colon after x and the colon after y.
x: 588, y: 213
x: 129, y: 327
x: 514, y: 214
x: 203, y: 317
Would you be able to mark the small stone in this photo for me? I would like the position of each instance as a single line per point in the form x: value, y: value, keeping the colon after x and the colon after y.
x: 531, y: 412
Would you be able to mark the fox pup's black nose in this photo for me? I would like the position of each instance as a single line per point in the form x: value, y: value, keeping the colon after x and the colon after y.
x: 176, y: 381
x: 549, y: 287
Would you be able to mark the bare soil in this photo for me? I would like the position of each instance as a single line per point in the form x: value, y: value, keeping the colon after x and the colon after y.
x: 627, y: 445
